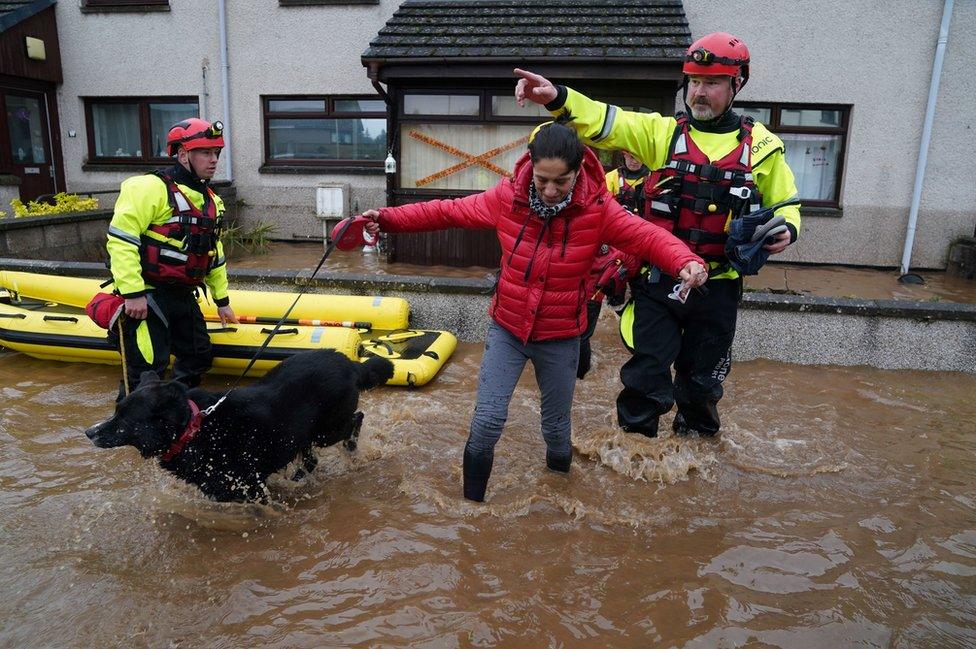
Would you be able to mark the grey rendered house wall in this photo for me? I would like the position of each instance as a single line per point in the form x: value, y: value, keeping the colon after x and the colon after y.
x: 273, y: 50
x: 876, y: 56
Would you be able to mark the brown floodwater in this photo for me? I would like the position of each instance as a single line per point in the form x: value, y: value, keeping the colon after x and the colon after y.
x: 837, y: 509
x: 823, y: 281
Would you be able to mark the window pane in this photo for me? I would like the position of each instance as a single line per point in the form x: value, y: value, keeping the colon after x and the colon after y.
x: 116, y: 128
x: 26, y: 126
x: 810, y: 117
x: 813, y: 159
x: 505, y: 106
x: 327, y: 139
x: 296, y: 106
x: 428, y: 163
x: 161, y: 118
x: 758, y: 114
x: 360, y: 106
x: 441, y: 105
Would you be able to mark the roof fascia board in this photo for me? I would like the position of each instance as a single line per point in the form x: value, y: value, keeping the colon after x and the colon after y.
x: 10, y: 19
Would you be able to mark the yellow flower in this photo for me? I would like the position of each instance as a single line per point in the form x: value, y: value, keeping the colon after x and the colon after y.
x: 63, y: 203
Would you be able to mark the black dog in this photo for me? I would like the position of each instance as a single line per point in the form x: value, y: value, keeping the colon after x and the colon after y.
x: 308, y: 400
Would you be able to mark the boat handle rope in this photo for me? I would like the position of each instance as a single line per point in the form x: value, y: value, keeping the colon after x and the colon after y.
x: 279, y: 332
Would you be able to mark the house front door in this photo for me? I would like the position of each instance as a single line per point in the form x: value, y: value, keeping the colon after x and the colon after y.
x: 26, y: 137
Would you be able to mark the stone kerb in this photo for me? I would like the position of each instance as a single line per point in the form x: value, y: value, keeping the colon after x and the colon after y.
x: 888, y: 334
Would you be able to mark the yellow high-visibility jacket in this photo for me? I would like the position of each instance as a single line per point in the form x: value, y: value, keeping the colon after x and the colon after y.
x: 648, y: 137
x: 144, y: 201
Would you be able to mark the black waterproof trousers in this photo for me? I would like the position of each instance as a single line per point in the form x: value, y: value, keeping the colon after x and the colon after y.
x: 696, y: 338
x: 176, y: 327
x: 586, y: 352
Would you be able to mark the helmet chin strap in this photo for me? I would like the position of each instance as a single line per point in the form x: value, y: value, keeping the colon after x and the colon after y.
x: 189, y: 167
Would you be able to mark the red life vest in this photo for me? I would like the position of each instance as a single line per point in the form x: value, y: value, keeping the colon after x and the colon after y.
x: 198, y: 231
x: 630, y: 194
x: 695, y: 199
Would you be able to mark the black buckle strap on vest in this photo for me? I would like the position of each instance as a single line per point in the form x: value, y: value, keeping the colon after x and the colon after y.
x: 710, y: 172
x: 199, y: 243
x: 714, y: 193
x: 699, y: 236
x: 745, y: 127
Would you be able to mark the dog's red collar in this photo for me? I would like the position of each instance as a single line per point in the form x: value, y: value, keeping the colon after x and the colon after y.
x: 191, y: 430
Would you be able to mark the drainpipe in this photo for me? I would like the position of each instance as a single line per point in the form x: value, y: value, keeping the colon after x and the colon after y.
x: 203, y: 84
x: 906, y: 256
x: 225, y: 87
x: 372, y: 72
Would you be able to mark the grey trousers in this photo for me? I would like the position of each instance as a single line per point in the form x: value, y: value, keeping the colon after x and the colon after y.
x: 504, y: 359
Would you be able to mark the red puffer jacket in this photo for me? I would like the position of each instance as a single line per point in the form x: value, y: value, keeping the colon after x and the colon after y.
x: 545, y: 266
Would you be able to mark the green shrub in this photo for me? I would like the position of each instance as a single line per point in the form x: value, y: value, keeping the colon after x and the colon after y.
x: 256, y: 240
x: 63, y: 203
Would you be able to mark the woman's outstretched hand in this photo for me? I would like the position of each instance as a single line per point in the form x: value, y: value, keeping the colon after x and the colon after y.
x: 373, y: 227
x: 534, y: 87
x: 693, y: 274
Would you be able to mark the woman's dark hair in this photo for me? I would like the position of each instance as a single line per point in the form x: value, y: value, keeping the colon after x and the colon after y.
x: 557, y: 140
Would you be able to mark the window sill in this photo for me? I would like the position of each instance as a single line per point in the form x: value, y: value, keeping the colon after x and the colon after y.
x: 312, y: 3
x: 115, y: 166
x: 124, y: 9
x: 830, y: 212
x: 320, y: 170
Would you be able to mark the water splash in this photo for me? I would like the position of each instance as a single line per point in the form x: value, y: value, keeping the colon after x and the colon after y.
x: 664, y: 459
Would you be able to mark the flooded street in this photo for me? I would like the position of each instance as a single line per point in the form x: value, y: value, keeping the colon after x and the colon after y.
x: 838, y: 509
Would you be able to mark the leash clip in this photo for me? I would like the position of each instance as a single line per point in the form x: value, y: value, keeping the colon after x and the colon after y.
x: 209, y: 410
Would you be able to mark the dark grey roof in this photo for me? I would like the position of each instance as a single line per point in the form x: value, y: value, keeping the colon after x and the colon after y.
x: 646, y: 30
x: 15, y: 11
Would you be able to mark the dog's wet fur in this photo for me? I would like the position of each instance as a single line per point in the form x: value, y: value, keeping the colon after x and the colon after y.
x: 308, y: 400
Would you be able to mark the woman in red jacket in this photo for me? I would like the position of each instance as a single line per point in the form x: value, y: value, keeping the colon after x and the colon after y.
x: 551, y: 218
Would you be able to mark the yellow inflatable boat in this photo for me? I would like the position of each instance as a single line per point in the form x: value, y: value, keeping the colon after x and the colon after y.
x: 56, y: 332
x: 416, y: 354
x: 34, y: 321
x: 382, y: 313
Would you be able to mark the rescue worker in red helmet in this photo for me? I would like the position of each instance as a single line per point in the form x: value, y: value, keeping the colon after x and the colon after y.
x: 163, y: 246
x: 710, y: 166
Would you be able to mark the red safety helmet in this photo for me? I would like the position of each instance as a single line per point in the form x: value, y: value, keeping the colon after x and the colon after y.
x: 195, y: 133
x: 718, y: 54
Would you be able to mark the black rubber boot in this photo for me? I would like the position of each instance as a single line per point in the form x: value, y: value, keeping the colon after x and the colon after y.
x: 558, y: 463
x: 477, y: 470
x: 646, y: 432
x: 682, y: 429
